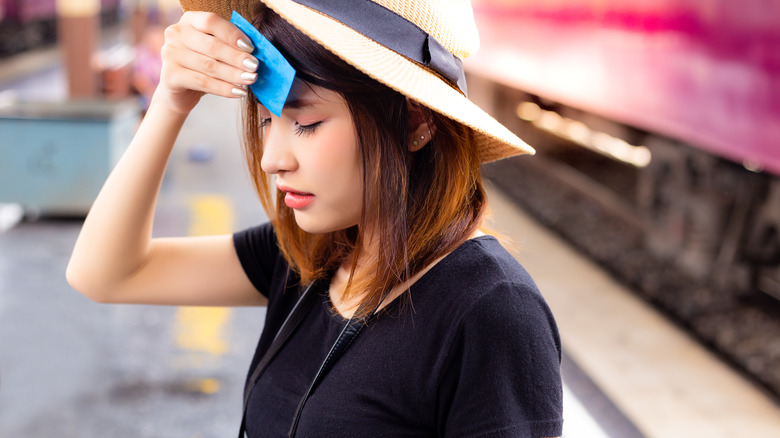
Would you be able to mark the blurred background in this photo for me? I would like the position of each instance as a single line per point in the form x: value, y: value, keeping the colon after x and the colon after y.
x: 650, y: 215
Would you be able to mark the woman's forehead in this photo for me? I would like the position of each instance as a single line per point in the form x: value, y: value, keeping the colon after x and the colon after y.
x: 304, y: 93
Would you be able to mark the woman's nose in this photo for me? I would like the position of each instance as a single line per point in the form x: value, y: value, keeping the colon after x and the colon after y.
x: 277, y: 154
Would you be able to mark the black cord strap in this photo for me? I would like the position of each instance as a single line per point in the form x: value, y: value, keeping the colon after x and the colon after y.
x: 345, y: 339
x: 347, y: 336
x: 294, y: 319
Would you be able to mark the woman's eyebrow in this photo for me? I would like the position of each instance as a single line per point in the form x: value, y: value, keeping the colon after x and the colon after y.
x: 296, y: 103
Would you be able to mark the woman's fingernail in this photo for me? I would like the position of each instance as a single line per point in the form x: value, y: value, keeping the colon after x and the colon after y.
x: 239, y: 92
x: 245, y: 45
x: 251, y: 77
x: 251, y: 63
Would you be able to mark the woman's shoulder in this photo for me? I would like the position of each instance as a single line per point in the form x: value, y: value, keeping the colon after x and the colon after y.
x: 259, y: 240
x: 482, y: 283
x: 481, y: 265
x: 258, y: 251
x: 499, y: 343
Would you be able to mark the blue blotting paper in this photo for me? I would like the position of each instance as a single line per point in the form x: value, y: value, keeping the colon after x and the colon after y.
x: 274, y: 75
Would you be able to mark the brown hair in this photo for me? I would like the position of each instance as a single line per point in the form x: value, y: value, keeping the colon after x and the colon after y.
x: 421, y: 204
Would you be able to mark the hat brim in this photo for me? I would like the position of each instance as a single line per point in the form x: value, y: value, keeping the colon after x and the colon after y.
x: 494, y: 141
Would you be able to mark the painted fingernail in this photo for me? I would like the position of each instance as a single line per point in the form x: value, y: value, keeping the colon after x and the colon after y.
x: 251, y: 77
x: 251, y: 63
x: 245, y: 45
x: 239, y: 92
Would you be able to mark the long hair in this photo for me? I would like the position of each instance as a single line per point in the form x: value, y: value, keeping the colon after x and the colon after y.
x: 419, y: 205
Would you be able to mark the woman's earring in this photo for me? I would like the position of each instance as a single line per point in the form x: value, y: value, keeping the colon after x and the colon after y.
x: 422, y: 137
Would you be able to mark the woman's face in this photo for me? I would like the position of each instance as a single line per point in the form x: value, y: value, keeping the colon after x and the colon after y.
x: 312, y: 149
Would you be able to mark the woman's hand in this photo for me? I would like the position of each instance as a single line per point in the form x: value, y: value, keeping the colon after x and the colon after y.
x: 204, y: 53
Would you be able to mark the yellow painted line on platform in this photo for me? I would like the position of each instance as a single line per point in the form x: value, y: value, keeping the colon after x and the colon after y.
x: 201, y: 329
x: 210, y: 214
x: 203, y: 386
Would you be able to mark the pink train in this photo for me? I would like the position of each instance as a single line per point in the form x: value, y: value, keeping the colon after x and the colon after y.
x: 685, y: 93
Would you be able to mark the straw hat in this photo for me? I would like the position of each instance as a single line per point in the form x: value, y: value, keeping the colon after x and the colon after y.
x: 433, y: 35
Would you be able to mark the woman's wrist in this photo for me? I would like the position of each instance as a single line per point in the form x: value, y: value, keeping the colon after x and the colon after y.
x: 165, y: 104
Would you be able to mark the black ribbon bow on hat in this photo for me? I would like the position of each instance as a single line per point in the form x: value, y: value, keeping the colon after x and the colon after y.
x: 394, y: 32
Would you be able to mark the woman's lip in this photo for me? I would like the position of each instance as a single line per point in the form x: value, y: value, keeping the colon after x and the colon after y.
x: 297, y: 200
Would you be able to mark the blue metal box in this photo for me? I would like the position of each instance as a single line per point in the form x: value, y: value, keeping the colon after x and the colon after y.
x: 55, y: 156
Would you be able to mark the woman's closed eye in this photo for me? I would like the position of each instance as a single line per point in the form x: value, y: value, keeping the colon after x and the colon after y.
x: 300, y: 130
x: 304, y: 130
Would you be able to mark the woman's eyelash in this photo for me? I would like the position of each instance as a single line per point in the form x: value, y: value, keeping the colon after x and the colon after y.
x: 304, y: 130
x: 301, y: 130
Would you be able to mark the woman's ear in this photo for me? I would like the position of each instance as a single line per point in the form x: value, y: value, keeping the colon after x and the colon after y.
x: 421, y: 129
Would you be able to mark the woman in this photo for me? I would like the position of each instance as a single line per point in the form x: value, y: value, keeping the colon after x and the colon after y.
x: 389, y: 313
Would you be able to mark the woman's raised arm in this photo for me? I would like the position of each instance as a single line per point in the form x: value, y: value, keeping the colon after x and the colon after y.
x: 115, y: 258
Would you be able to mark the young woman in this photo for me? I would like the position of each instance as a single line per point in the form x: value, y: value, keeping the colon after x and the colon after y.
x: 373, y: 256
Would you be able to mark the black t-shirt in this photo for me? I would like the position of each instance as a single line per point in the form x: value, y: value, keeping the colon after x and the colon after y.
x: 474, y: 352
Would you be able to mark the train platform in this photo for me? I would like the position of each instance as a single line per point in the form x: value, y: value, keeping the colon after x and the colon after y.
x: 73, y: 368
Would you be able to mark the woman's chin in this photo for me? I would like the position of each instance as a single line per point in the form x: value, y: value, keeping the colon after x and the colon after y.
x: 318, y: 224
